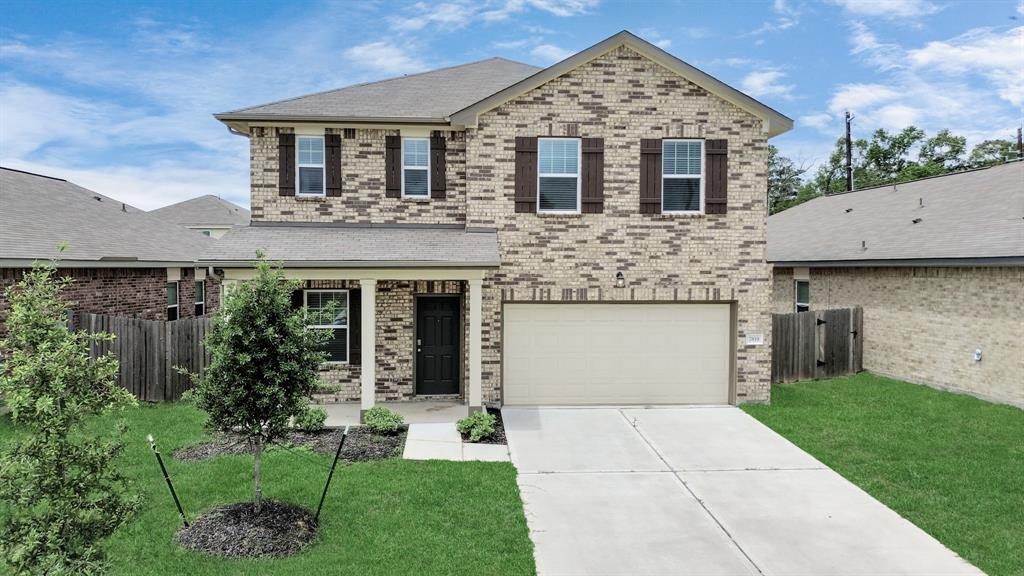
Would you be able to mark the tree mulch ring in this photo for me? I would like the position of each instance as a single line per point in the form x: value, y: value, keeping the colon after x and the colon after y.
x: 238, y: 531
x: 499, y: 431
x: 362, y: 444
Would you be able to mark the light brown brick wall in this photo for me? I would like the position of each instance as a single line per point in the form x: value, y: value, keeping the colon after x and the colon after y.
x: 922, y: 324
x: 624, y: 97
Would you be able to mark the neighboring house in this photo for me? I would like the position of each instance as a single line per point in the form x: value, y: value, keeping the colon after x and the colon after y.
x: 588, y: 233
x: 123, y: 261
x: 208, y: 215
x: 938, y: 266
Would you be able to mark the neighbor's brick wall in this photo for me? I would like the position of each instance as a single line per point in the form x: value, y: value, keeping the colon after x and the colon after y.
x: 624, y: 97
x: 395, y: 340
x: 922, y: 324
x: 132, y: 292
x: 362, y: 199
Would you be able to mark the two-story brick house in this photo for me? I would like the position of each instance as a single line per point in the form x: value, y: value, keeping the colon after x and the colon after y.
x: 588, y: 233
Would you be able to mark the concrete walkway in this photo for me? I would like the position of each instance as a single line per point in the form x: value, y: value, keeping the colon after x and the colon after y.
x: 415, y: 412
x: 701, y: 490
x: 441, y: 441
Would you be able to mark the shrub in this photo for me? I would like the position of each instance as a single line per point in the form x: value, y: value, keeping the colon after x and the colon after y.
x: 382, y: 421
x: 477, y: 426
x: 311, y: 419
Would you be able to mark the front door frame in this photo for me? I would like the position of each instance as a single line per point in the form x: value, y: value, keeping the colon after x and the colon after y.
x: 460, y: 299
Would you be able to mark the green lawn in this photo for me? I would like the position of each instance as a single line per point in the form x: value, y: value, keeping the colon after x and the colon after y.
x: 389, y: 517
x: 951, y: 464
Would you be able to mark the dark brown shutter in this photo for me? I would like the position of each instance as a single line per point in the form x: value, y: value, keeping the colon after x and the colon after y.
x: 332, y: 156
x: 593, y: 176
x: 650, y: 176
x: 393, y: 166
x: 716, y: 171
x: 355, y: 335
x: 438, y: 170
x: 526, y: 174
x: 286, y: 164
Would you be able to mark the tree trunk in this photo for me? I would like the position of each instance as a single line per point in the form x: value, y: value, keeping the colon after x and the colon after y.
x: 256, y: 474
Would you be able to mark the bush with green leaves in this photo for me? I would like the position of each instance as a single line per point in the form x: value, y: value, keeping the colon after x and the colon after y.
x: 60, y: 489
x: 311, y: 419
x: 477, y: 426
x: 383, y: 421
x: 264, y: 362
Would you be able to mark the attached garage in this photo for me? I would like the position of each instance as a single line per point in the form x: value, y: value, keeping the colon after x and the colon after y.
x: 565, y: 354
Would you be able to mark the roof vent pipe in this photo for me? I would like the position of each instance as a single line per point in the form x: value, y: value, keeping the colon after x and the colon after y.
x: 863, y: 244
x: 123, y: 209
x: 915, y: 220
x: 920, y: 202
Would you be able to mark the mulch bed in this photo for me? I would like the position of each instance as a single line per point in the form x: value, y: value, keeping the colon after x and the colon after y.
x: 237, y: 531
x: 499, y: 431
x: 362, y: 445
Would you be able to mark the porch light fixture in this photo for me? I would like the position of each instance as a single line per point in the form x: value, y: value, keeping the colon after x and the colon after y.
x: 620, y: 280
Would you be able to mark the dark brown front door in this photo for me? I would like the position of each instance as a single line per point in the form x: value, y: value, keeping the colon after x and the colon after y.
x: 437, y: 344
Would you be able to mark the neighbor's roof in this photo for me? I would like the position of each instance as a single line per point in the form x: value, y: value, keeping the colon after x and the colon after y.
x: 973, y: 216
x: 426, y: 97
x: 206, y: 210
x: 458, y: 95
x: 355, y: 246
x: 39, y: 213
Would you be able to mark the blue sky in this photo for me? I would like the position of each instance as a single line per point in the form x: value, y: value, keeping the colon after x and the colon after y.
x: 118, y: 96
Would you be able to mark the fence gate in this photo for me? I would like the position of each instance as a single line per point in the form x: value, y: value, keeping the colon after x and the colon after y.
x: 817, y: 344
x: 149, y: 350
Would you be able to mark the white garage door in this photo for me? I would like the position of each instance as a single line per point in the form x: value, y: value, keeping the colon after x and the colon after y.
x: 616, y: 354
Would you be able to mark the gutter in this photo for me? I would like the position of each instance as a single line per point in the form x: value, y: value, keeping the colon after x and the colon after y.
x: 111, y: 263
x: 355, y: 264
x: 898, y: 262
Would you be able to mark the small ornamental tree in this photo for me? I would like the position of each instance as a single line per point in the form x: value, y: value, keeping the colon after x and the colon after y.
x: 264, y: 362
x: 59, y: 488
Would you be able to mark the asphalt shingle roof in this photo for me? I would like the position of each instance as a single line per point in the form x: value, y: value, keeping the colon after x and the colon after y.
x: 432, y: 95
x: 38, y: 213
x: 356, y: 246
x: 204, y: 210
x: 974, y: 214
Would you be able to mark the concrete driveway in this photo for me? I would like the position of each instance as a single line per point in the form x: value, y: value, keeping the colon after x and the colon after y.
x: 698, y: 490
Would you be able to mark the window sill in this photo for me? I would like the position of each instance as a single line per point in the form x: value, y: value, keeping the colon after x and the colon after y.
x: 681, y: 214
x: 426, y: 198
x: 310, y: 197
x: 559, y: 214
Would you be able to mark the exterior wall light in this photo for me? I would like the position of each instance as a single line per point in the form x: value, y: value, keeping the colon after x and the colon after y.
x: 620, y: 280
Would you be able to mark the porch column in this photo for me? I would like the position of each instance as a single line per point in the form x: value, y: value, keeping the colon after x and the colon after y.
x: 368, y: 326
x: 475, y: 344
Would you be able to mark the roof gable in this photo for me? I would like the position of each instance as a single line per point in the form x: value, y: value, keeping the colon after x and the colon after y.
x: 775, y: 123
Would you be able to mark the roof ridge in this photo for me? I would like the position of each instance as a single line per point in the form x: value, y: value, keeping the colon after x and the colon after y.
x: 956, y: 173
x: 372, y: 82
x: 33, y: 174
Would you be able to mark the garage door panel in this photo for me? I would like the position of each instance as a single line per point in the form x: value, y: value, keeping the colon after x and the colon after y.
x: 616, y: 353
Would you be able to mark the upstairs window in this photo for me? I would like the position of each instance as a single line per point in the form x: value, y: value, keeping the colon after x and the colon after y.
x: 803, y: 295
x: 172, y: 300
x: 416, y: 167
x: 200, y: 297
x: 328, y: 310
x: 682, y: 176
x: 558, y: 189
x: 310, y: 166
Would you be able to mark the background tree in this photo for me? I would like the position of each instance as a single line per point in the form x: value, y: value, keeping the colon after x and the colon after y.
x: 61, y: 491
x: 783, y: 180
x: 991, y: 152
x: 264, y: 362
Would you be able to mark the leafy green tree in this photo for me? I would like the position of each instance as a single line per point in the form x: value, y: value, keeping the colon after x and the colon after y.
x: 944, y: 151
x: 264, y: 362
x: 783, y: 180
x: 991, y: 152
x: 59, y: 486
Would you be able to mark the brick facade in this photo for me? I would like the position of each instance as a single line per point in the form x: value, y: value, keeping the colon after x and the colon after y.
x: 923, y: 324
x: 621, y: 97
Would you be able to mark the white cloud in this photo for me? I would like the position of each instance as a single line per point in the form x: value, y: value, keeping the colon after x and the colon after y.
x: 551, y: 53
x: 995, y: 56
x: 449, y: 15
x: 556, y: 7
x: 766, y: 83
x: 385, y: 57
x: 891, y: 9
x: 785, y: 18
x: 820, y: 121
x: 860, y: 96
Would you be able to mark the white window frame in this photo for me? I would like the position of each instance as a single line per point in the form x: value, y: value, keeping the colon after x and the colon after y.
x: 177, y: 299
x: 578, y: 175
x: 203, y: 301
x: 322, y: 166
x: 796, y: 296
x: 703, y: 167
x: 427, y: 168
x: 347, y: 326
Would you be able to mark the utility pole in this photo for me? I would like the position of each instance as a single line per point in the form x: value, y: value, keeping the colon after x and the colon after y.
x: 1020, y: 146
x: 849, y: 154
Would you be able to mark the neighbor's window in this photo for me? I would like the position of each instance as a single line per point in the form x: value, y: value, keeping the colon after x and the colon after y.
x: 803, y: 295
x: 559, y: 173
x: 311, y: 166
x: 200, y: 297
x: 172, y: 300
x: 416, y: 167
x: 321, y: 315
x: 682, y: 184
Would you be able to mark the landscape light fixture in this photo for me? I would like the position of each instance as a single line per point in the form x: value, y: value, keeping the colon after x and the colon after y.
x: 620, y: 280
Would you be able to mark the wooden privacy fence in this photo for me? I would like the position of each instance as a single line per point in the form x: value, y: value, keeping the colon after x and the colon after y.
x: 149, y: 351
x: 817, y: 344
